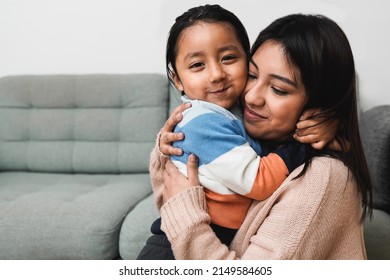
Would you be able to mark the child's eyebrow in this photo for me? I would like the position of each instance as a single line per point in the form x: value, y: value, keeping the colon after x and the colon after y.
x: 228, y: 48
x: 193, y: 54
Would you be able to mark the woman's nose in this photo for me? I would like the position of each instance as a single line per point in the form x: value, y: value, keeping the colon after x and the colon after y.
x: 216, y: 73
x: 254, y: 96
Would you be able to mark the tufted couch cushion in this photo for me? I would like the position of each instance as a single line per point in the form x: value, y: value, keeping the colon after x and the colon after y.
x: 88, y: 124
x: 74, y: 155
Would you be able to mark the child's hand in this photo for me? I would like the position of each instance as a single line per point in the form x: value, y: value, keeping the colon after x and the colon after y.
x: 317, y: 130
x: 166, y: 134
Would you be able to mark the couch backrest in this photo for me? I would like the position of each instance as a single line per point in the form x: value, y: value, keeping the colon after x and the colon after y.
x: 375, y: 133
x: 81, y: 123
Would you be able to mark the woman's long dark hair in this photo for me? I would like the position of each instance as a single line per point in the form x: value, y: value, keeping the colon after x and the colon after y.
x: 318, y: 50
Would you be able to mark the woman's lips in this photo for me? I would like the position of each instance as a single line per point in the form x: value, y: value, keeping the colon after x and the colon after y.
x: 251, y: 115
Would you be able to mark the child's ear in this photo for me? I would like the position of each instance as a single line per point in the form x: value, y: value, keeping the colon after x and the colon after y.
x: 177, y: 82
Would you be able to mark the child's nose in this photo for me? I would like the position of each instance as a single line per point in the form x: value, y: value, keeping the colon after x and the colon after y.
x: 217, y: 73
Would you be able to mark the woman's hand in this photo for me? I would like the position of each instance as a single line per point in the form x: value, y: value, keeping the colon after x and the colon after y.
x: 176, y: 182
x: 317, y: 131
x: 166, y: 134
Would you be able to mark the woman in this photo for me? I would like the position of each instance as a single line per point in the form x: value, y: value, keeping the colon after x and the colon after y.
x: 298, y: 62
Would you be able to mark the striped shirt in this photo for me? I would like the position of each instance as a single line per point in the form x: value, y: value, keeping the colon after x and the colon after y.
x: 230, y: 166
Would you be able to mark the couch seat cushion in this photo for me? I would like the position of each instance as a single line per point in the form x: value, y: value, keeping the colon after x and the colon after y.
x: 55, y: 216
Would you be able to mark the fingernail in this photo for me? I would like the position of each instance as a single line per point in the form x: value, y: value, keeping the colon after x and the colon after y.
x: 193, y: 157
x: 187, y: 104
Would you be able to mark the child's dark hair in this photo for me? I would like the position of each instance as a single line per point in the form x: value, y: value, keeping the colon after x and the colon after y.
x: 206, y: 13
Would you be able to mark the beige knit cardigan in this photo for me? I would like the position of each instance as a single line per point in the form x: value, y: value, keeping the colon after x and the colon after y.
x: 316, y: 216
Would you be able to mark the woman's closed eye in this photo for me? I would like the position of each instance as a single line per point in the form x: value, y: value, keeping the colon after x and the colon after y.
x: 251, y: 76
x: 279, y: 91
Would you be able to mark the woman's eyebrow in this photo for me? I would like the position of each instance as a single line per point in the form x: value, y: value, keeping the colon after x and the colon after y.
x: 284, y: 79
x: 281, y: 78
x: 254, y: 63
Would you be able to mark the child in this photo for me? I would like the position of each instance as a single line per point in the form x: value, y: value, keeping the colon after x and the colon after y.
x: 207, y: 60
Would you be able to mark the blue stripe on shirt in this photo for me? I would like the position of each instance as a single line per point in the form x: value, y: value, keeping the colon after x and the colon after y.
x: 210, y: 133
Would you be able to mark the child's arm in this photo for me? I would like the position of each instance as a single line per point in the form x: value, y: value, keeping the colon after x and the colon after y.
x: 275, y: 167
x: 226, y: 159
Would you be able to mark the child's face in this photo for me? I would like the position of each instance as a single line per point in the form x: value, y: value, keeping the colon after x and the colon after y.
x: 211, y: 64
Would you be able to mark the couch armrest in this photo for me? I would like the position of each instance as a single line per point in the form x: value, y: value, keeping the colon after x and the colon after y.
x: 377, y: 236
x: 136, y: 228
x: 375, y: 134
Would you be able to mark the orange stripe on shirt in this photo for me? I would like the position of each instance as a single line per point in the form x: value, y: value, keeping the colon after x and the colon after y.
x: 227, y: 210
x: 272, y: 172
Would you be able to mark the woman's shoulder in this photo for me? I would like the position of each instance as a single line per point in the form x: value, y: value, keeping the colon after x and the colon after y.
x: 324, y: 174
x: 323, y: 166
x: 326, y: 186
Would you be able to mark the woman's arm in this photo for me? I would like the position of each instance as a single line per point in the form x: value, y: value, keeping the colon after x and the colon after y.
x: 314, y: 217
x: 181, y: 194
x: 162, y: 149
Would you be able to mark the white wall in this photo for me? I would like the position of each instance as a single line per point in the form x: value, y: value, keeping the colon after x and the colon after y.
x: 126, y: 36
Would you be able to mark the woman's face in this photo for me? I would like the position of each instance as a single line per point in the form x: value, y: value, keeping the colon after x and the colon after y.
x: 274, y: 96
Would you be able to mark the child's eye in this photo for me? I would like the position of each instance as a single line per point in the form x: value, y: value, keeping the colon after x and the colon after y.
x: 196, y: 65
x: 229, y: 57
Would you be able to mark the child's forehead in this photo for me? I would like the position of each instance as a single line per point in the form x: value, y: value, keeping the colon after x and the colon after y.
x: 205, y: 25
x: 203, y: 31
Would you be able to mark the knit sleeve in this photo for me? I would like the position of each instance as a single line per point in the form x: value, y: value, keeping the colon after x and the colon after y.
x: 186, y: 222
x: 156, y: 169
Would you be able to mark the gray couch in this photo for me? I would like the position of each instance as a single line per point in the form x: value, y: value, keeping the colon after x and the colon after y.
x: 375, y: 133
x: 74, y: 153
